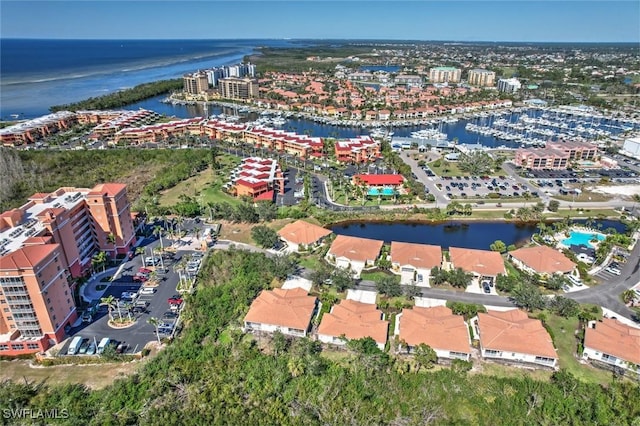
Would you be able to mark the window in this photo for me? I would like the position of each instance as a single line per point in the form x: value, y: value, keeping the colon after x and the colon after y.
x: 17, y: 346
x: 2, y: 301
x: 68, y: 301
x: 6, y: 309
x: 9, y: 318
x: 32, y: 346
x: 491, y: 352
x: 609, y: 358
x: 545, y: 360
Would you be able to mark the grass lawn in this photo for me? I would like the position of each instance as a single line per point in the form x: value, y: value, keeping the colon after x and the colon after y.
x: 567, y: 344
x: 582, y: 213
x: 311, y: 261
x: 94, y: 376
x: 377, y: 276
x: 241, y: 232
x: 446, y: 168
x: 499, y: 370
x: 512, y: 271
x: 585, y: 196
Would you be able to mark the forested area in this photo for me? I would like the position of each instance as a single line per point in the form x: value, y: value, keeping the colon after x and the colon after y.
x: 213, y: 374
x: 23, y: 173
x: 123, y: 97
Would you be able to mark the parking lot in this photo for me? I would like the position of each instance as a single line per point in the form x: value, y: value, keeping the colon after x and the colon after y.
x: 140, y: 306
x: 461, y: 187
x: 596, y: 174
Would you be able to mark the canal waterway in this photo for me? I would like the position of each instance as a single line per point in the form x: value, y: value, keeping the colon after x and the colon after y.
x: 467, y: 234
x: 453, y: 130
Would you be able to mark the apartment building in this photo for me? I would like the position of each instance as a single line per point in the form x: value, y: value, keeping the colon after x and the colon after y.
x: 81, y: 221
x: 195, y: 83
x: 238, y: 88
x: 300, y: 146
x: 576, y: 150
x: 258, y: 178
x: 542, y: 158
x: 36, y: 301
x: 481, y: 77
x: 509, y: 85
x: 357, y: 150
x: 444, y: 75
x: 31, y: 131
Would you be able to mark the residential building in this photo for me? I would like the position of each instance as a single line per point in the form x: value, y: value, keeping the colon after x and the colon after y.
x: 238, y: 88
x: 31, y: 131
x: 482, y: 78
x: 195, y: 83
x: 447, y: 334
x: 36, y: 301
x: 613, y: 343
x: 542, y: 260
x: 485, y: 265
x: 301, y: 235
x: 350, y: 320
x: 82, y: 221
x: 380, y: 181
x: 354, y: 253
x: 509, y: 85
x: 576, y: 150
x: 409, y: 79
x: 357, y: 150
x: 511, y: 336
x: 258, y: 178
x: 287, y: 311
x: 542, y: 158
x: 414, y: 262
x: 300, y: 146
x: 444, y: 75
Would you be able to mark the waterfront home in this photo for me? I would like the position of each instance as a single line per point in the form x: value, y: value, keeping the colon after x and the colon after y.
x: 447, y: 334
x: 485, y: 265
x: 542, y: 260
x: 354, y: 253
x: 301, y: 235
x: 612, y: 343
x: 287, y: 311
x: 350, y: 320
x: 357, y: 150
x: 513, y: 337
x: 258, y: 178
x: 414, y: 262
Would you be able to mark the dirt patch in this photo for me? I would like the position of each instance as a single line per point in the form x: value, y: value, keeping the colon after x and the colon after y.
x: 138, y: 179
x: 94, y: 376
x: 241, y: 232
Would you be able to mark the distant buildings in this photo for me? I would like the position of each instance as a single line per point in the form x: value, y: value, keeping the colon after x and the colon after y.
x: 238, y: 88
x: 214, y: 75
x: 509, y: 85
x: 195, y: 83
x: 31, y: 131
x: 44, y: 243
x: 556, y: 155
x: 480, y: 77
x: 357, y: 150
x: 631, y: 147
x: 444, y: 75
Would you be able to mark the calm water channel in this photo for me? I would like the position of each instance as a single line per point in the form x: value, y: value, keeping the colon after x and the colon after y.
x: 468, y: 234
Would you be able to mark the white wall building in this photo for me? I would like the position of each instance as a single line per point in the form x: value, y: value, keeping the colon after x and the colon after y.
x: 509, y: 85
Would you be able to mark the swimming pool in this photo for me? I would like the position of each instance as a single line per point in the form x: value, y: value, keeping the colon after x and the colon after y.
x: 385, y: 191
x: 581, y: 238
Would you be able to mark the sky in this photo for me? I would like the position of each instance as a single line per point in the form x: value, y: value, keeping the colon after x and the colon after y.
x: 515, y: 20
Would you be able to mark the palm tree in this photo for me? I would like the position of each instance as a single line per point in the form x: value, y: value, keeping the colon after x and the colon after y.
x: 296, y: 366
x: 109, y: 302
x: 155, y: 323
x: 628, y: 296
x: 111, y: 239
x: 99, y: 259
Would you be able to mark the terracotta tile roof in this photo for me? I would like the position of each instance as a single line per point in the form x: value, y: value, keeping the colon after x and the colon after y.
x: 483, y: 262
x: 387, y: 179
x: 286, y: 308
x: 544, y: 259
x: 436, y: 327
x: 355, y: 320
x: 110, y: 189
x: 416, y: 255
x: 514, y: 331
x: 301, y: 232
x: 355, y: 248
x: 27, y: 257
x: 614, y: 338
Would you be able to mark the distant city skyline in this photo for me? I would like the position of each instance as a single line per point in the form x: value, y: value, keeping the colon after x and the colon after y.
x: 517, y: 21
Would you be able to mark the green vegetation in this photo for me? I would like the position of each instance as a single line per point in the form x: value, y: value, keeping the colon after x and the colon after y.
x: 295, y: 59
x: 213, y: 374
x: 123, y: 97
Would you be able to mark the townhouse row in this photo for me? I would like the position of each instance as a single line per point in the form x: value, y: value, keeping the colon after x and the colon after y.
x: 508, y: 336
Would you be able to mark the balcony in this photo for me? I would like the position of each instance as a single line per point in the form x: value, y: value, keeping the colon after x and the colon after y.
x: 16, y: 293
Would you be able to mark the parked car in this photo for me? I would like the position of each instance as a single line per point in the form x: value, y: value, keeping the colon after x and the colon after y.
x: 170, y: 315
x: 486, y: 287
x: 176, y: 299
x: 614, y: 271
x: 128, y: 295
x: 148, y: 290
x: 121, y: 348
x: 91, y: 350
x: 151, y: 260
x: 140, y: 278
x: 83, y: 347
x: 86, y: 316
x: 144, y: 271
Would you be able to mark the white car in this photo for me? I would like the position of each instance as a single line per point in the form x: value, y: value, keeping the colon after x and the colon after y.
x: 614, y: 271
x: 152, y: 260
x: 147, y: 290
x: 128, y: 295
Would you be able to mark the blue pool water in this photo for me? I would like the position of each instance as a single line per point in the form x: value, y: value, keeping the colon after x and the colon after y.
x: 581, y: 238
x: 388, y: 191
x: 385, y: 191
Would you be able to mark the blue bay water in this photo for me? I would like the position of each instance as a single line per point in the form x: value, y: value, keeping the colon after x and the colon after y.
x: 36, y: 74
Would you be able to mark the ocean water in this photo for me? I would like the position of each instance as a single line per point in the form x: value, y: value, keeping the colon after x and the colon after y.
x: 36, y: 74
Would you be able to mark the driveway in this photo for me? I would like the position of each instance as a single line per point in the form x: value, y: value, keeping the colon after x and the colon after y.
x: 429, y: 182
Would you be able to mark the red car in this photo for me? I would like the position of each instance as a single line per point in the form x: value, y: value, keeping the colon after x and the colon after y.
x: 144, y: 271
x: 176, y: 299
x: 140, y: 277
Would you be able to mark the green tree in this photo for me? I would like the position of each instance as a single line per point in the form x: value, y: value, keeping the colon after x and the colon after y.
x: 110, y: 303
x: 99, y: 260
x: 476, y: 163
x: 553, y: 205
x: 341, y: 279
x: 411, y: 291
x: 267, y: 211
x: 628, y: 296
x: 564, y: 306
x: 528, y: 296
x: 264, y: 236
x: 459, y: 278
x: 389, y: 286
x: 555, y: 282
x: 155, y: 323
x: 499, y: 246
x: 425, y: 356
